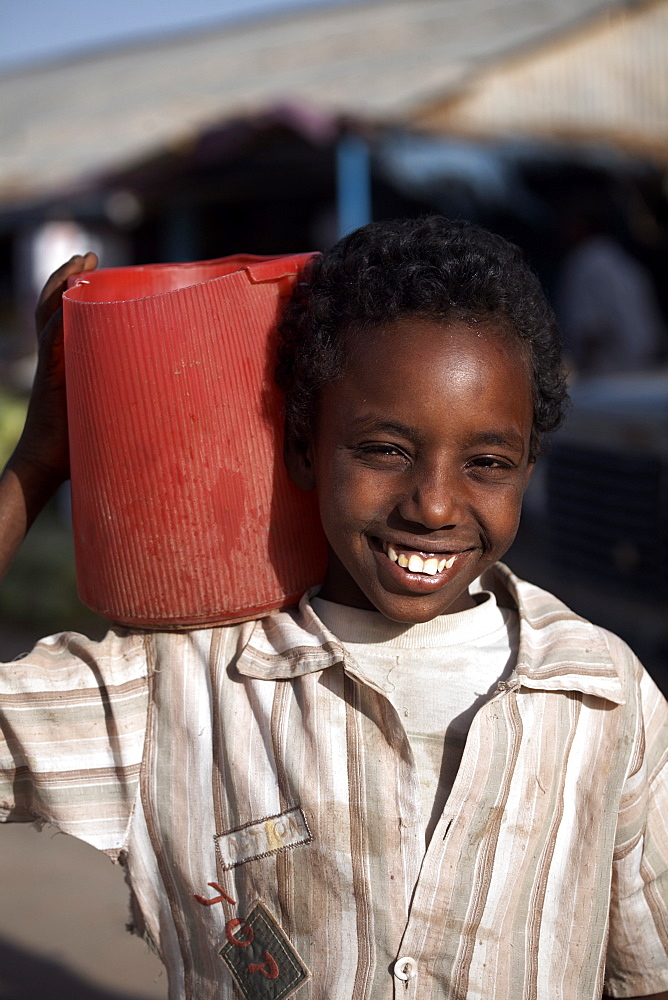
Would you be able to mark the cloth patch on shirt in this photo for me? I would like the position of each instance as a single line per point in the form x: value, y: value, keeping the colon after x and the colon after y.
x: 262, y: 838
x: 262, y: 961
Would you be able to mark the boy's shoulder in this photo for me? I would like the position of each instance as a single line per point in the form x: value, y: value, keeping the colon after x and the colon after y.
x: 558, y: 648
x: 67, y: 660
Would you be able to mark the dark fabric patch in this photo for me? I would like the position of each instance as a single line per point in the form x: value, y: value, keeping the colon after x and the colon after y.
x: 262, y: 961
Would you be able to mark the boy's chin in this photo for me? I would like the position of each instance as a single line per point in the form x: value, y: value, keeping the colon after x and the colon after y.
x: 416, y: 610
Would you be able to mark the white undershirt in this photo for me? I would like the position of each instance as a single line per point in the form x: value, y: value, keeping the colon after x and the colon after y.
x: 436, y: 675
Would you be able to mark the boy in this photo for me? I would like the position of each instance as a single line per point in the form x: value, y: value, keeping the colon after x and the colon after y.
x: 430, y: 780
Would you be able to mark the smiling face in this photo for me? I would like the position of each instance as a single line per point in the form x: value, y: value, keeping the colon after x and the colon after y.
x: 421, y: 456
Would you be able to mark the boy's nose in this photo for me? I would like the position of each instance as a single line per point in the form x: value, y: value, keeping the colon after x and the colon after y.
x: 432, y: 503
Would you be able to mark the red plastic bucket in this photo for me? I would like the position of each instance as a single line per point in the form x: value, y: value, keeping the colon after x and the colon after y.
x: 183, y: 512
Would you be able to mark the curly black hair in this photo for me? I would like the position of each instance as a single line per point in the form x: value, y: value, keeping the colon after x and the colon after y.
x: 431, y: 267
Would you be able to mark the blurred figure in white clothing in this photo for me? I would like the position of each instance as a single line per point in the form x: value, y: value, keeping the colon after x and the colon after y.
x: 606, y: 302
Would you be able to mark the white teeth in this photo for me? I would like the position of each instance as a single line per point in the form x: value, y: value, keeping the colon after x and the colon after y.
x: 416, y: 564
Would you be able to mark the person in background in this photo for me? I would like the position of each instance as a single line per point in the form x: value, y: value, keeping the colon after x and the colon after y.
x: 605, y: 299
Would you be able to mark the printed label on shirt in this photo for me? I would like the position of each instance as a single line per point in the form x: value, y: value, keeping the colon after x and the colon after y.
x: 264, y: 837
x: 262, y: 961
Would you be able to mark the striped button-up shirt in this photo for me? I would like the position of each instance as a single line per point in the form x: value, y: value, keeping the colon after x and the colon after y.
x: 263, y: 796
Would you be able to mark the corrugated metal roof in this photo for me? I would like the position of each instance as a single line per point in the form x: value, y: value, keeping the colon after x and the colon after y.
x: 380, y: 60
x: 606, y: 82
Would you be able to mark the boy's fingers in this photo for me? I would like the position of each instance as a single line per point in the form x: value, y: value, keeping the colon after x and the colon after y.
x: 52, y: 328
x: 49, y: 300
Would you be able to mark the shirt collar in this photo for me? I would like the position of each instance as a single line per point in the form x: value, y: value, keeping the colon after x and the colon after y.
x: 558, y: 650
x: 289, y: 644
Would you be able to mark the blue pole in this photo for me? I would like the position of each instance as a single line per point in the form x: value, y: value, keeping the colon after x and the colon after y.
x: 353, y: 183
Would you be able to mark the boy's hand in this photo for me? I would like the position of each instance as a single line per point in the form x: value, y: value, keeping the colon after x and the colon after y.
x: 40, y: 462
x: 43, y: 447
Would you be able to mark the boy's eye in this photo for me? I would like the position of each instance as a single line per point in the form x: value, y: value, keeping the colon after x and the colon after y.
x: 489, y: 461
x: 382, y: 454
x: 492, y: 463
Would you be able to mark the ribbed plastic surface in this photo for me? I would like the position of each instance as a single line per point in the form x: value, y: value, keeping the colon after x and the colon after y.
x: 183, y: 511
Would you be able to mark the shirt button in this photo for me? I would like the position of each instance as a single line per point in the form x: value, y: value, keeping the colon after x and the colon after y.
x: 405, y: 968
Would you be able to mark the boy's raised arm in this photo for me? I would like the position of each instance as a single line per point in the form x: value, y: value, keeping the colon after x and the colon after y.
x: 40, y: 462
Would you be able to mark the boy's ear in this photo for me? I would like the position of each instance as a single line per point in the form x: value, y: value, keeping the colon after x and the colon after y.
x: 298, y: 458
x: 531, y: 465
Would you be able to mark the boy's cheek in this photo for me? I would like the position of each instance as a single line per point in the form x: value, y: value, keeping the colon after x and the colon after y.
x: 504, y: 519
x: 351, y: 495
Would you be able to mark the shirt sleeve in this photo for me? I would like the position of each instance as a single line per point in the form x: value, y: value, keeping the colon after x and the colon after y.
x: 637, y: 959
x: 72, y: 728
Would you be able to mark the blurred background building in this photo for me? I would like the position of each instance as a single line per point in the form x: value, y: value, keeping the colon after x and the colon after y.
x: 277, y: 125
